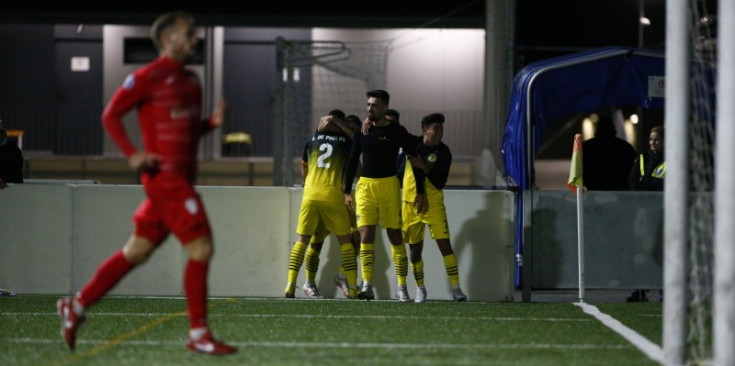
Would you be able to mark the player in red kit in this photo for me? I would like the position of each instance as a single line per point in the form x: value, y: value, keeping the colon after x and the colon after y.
x: 168, y: 100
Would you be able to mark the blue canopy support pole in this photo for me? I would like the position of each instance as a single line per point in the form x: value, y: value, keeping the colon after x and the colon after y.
x: 525, y: 245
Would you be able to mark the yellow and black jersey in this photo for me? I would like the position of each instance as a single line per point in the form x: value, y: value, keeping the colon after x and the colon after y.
x: 325, y: 155
x: 439, y: 159
x: 379, y: 149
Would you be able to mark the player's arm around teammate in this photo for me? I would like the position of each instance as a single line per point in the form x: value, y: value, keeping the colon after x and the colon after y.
x: 322, y: 210
x: 377, y: 194
x: 434, y: 159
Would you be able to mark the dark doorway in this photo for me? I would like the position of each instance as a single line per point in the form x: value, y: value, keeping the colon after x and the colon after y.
x: 249, y: 86
x: 79, y: 98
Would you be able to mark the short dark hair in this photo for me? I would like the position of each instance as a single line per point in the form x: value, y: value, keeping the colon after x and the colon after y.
x: 337, y: 113
x: 164, y: 22
x: 380, y: 94
x: 355, y: 120
x: 431, y: 119
x: 605, y: 127
x: 393, y: 113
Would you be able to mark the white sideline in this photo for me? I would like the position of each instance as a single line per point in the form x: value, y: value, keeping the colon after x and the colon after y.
x: 312, y: 316
x: 287, y: 344
x: 649, y: 348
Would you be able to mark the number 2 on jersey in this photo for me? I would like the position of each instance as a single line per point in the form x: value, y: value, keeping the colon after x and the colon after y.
x: 326, y: 153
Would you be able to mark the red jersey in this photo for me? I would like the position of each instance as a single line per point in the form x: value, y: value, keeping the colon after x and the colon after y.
x: 168, y: 98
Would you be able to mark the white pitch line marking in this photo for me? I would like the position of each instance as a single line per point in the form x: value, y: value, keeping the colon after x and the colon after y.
x: 650, y: 349
x: 315, y: 316
x: 154, y: 343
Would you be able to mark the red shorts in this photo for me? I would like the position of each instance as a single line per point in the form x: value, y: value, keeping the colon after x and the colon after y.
x: 179, y: 211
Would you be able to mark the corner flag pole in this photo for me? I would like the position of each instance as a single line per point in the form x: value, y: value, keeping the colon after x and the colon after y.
x: 575, y: 183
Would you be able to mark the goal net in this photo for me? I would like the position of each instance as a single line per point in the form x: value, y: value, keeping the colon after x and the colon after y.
x: 701, y: 166
x: 314, y: 78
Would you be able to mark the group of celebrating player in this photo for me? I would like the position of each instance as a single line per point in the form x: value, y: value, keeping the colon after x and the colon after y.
x: 400, y: 187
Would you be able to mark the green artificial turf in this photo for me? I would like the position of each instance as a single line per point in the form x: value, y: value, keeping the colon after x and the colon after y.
x: 152, y: 331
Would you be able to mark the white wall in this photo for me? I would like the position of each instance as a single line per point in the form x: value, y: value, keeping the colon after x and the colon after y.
x: 53, y: 238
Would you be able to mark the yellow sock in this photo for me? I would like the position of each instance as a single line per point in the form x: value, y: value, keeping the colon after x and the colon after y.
x: 450, y: 263
x: 353, y: 259
x: 418, y: 272
x: 400, y: 262
x: 367, y: 261
x: 312, y: 264
x: 348, y: 268
x: 294, y: 264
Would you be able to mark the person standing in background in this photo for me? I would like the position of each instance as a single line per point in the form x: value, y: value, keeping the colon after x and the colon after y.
x: 606, y: 159
x: 647, y: 174
x: 11, y: 159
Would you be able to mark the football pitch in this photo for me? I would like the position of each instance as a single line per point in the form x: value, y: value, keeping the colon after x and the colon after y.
x: 272, y: 331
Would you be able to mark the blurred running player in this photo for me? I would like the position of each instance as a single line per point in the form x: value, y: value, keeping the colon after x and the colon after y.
x: 168, y: 99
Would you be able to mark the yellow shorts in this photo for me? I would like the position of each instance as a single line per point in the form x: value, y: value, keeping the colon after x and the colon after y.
x: 413, y: 222
x: 320, y: 234
x: 333, y: 217
x: 353, y: 221
x: 378, y: 199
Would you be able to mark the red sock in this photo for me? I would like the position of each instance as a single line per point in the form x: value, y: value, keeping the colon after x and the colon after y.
x: 107, y: 276
x: 195, y: 286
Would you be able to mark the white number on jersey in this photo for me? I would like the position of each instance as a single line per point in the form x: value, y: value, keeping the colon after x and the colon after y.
x: 327, y: 152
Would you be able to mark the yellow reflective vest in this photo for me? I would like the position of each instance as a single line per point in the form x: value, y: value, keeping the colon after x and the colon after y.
x: 656, y: 173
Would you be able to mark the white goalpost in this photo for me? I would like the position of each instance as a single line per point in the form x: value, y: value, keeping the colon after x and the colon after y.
x: 724, y: 283
x: 675, y: 187
x: 699, y: 228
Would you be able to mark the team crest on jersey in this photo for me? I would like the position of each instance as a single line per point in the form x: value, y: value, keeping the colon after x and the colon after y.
x: 431, y: 158
x: 129, y: 82
x: 191, y: 206
x: 177, y: 113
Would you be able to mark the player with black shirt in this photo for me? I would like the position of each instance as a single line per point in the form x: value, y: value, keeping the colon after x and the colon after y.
x: 378, y: 192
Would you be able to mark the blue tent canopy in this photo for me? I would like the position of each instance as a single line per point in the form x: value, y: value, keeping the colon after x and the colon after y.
x: 586, y: 81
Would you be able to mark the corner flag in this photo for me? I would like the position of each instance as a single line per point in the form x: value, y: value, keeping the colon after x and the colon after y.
x: 576, y: 185
x: 575, y: 171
